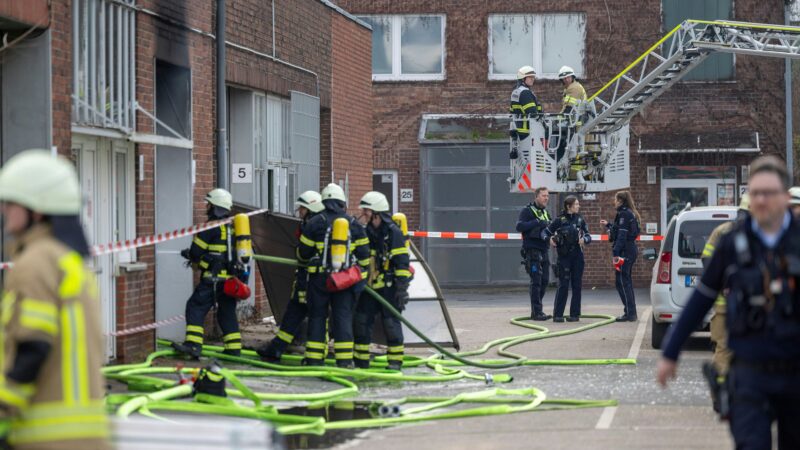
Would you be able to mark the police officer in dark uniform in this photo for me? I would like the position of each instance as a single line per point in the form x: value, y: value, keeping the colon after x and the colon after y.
x: 758, y: 263
x: 533, y: 220
x: 315, y: 250
x: 211, y: 253
x: 623, y: 233
x: 308, y: 204
x: 390, y: 279
x: 569, y: 233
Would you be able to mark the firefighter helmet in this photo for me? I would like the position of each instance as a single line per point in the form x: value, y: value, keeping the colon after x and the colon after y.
x: 565, y: 71
x: 220, y: 197
x: 41, y: 182
x: 525, y: 71
x: 310, y: 200
x: 374, y: 201
x: 333, y: 192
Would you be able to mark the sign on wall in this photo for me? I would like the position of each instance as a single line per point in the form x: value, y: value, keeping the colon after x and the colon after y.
x: 406, y: 195
x: 242, y: 173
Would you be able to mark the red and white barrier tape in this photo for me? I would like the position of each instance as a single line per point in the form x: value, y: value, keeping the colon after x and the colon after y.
x: 115, y: 247
x: 504, y: 236
x: 150, y: 326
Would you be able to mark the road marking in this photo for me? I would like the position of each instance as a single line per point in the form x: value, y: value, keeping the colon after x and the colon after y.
x: 637, y: 341
x: 606, y: 418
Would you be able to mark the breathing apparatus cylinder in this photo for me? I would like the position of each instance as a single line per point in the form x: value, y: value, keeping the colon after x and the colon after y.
x: 402, y: 222
x: 339, y: 233
x: 244, y: 244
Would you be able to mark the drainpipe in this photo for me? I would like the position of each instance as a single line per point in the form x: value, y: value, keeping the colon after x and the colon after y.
x: 789, y: 117
x: 222, y: 102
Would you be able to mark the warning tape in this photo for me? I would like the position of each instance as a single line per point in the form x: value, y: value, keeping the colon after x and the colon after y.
x: 150, y: 326
x: 504, y: 236
x: 115, y: 247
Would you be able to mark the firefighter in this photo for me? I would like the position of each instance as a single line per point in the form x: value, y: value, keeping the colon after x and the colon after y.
x: 211, y: 252
x: 716, y: 372
x: 524, y: 104
x: 758, y: 264
x: 574, y: 94
x: 319, y: 247
x: 794, y: 202
x: 51, y: 343
x: 623, y: 233
x: 308, y: 204
x: 568, y: 233
x: 533, y: 220
x: 390, y: 280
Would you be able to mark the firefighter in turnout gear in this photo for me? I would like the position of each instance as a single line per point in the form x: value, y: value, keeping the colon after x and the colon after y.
x: 51, y: 343
x: 568, y: 233
x: 758, y: 264
x: 574, y: 93
x: 720, y: 363
x: 533, y: 220
x: 524, y: 106
x: 337, y: 260
x: 308, y: 204
x: 390, y: 279
x: 211, y: 252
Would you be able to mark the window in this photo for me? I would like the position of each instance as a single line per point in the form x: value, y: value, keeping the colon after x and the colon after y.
x: 545, y: 42
x: 407, y: 47
x: 717, y: 67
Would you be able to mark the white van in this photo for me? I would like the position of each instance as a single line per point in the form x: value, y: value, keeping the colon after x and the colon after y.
x: 678, y: 266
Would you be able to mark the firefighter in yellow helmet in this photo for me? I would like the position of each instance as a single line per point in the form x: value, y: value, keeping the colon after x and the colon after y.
x: 211, y: 252
x: 52, y: 346
x: 719, y: 334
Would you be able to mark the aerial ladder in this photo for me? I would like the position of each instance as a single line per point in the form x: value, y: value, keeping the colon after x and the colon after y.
x: 588, y: 150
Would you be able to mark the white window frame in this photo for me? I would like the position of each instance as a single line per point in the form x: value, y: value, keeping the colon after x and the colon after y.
x: 397, y: 45
x: 129, y: 227
x: 395, y: 183
x: 536, y: 58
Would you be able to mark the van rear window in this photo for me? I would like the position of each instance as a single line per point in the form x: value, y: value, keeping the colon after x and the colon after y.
x: 693, y: 235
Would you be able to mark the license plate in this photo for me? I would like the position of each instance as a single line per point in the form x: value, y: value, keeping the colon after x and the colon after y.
x: 691, y: 280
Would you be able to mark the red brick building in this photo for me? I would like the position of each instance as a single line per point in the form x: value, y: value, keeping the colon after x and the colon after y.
x: 692, y: 144
x: 128, y: 90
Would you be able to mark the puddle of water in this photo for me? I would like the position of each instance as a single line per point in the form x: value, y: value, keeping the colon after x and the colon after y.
x: 332, y: 413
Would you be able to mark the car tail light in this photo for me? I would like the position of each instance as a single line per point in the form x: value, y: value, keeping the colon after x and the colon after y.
x: 665, y: 268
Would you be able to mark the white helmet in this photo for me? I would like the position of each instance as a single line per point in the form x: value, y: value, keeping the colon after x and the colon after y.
x: 42, y: 183
x: 795, y: 193
x: 310, y: 200
x: 565, y: 71
x: 374, y: 201
x: 333, y: 192
x: 525, y: 71
x: 220, y: 197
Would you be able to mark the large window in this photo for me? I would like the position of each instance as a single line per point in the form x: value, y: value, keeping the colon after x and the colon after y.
x: 407, y: 47
x: 545, y: 42
x: 717, y: 67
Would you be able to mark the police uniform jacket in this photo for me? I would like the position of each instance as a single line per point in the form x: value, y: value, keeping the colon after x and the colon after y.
x: 574, y: 228
x: 532, y: 221
x: 623, y: 231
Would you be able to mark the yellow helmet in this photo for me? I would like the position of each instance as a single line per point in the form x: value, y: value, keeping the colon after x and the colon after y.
x: 41, y: 182
x: 525, y: 71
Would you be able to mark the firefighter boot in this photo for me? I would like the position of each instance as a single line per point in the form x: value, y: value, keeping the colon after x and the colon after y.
x: 190, y: 349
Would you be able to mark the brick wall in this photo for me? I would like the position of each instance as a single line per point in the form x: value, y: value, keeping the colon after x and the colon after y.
x: 351, y: 106
x: 617, y: 32
x: 61, y: 68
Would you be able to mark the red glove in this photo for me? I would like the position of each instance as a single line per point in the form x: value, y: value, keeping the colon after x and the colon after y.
x: 618, y: 262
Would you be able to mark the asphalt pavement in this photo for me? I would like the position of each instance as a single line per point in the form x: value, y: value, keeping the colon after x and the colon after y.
x: 647, y: 416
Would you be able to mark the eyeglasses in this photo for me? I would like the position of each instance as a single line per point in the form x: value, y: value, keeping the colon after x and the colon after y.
x: 767, y: 194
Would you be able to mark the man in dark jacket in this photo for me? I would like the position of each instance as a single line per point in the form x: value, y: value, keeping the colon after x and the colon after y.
x: 533, y: 219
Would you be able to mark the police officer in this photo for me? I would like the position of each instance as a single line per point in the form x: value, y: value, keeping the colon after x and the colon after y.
x: 722, y: 354
x: 211, y: 252
x: 524, y: 104
x: 758, y: 262
x: 533, y: 220
x: 51, y: 343
x: 623, y: 233
x: 390, y: 280
x: 315, y: 251
x: 568, y: 233
x: 308, y: 204
x: 795, y: 200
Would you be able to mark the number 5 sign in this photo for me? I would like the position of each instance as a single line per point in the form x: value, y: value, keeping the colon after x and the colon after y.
x: 242, y: 173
